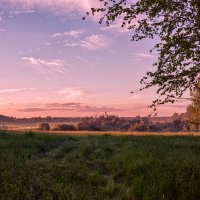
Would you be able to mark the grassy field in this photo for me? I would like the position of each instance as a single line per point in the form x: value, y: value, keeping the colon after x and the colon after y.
x: 39, y: 166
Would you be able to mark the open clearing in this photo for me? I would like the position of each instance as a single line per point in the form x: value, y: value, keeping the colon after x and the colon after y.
x: 42, y: 166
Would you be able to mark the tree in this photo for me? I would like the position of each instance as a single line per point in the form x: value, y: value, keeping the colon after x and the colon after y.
x: 177, y: 24
x: 44, y: 127
x: 193, y: 110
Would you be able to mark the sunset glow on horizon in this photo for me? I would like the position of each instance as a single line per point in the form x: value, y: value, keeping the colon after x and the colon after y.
x: 55, y: 64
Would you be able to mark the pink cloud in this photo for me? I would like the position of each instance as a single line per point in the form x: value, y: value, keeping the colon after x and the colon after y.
x: 144, y: 56
x: 45, y: 67
x: 72, y: 33
x: 72, y: 94
x: 55, y: 6
x: 67, y: 107
x: 13, y: 90
x: 91, y: 43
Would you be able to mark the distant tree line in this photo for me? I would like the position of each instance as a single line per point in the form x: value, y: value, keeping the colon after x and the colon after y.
x: 189, y: 121
x: 140, y: 124
x: 105, y: 122
x: 47, y: 119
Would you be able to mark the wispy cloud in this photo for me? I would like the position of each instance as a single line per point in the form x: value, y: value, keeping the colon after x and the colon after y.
x: 92, y: 43
x: 25, y: 11
x: 55, y: 6
x: 31, y: 110
x: 143, y: 56
x: 70, y: 105
x: 72, y: 33
x: 46, y: 67
x: 95, y: 42
x: 74, y: 107
x: 13, y: 90
x: 47, y: 43
x: 94, y: 109
x: 72, y: 94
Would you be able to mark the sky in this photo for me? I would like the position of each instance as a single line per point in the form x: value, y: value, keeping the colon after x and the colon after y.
x: 54, y: 63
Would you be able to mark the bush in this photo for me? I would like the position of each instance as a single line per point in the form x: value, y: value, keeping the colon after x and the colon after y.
x: 64, y: 127
x: 141, y: 128
x: 44, y: 127
x: 88, y: 127
x: 104, y: 123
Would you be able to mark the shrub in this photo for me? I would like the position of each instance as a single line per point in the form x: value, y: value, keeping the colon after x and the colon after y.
x: 88, y: 127
x: 104, y: 123
x: 141, y: 128
x: 64, y: 127
x: 44, y: 127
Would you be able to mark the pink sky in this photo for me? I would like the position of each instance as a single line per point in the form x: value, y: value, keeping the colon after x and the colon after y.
x: 54, y: 63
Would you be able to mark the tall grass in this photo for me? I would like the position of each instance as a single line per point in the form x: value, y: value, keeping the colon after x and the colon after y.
x: 38, y: 166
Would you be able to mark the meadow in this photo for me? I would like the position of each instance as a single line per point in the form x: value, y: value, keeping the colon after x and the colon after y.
x: 104, y: 166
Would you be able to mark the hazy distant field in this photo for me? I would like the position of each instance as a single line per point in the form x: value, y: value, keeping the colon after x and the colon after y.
x: 41, y: 166
x: 35, y: 126
x: 30, y: 126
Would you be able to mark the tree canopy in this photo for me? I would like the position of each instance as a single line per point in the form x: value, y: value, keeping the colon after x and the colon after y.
x: 193, y: 110
x: 177, y: 24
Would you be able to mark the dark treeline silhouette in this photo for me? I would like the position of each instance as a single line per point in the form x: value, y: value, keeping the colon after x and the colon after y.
x: 47, y: 119
x: 175, y: 123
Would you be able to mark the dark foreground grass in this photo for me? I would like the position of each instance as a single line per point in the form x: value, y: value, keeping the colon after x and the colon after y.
x: 48, y: 167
